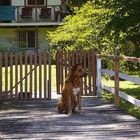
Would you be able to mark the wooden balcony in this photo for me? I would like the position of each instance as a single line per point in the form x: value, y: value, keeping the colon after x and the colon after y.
x: 30, y: 16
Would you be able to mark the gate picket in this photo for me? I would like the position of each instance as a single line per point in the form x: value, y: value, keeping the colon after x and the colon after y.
x: 89, y: 71
x: 0, y: 75
x: 21, y: 83
x: 40, y: 76
x: 81, y: 62
x: 69, y: 59
x: 76, y: 57
x: 94, y: 72
x: 73, y: 59
x: 26, y: 78
x: 28, y: 69
x: 16, y: 76
x: 58, y: 72
x: 45, y: 76
x: 6, y: 74
x: 31, y: 75
x: 35, y: 76
x: 65, y: 62
x: 62, y: 70
x: 85, y: 78
x: 49, y: 76
x: 11, y: 75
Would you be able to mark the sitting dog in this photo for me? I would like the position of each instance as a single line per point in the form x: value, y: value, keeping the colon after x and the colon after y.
x: 71, y: 91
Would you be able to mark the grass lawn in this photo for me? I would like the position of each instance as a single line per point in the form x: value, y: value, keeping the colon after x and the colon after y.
x: 130, y: 89
x: 125, y: 86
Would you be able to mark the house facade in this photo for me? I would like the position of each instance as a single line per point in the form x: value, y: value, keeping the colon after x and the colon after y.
x: 24, y: 23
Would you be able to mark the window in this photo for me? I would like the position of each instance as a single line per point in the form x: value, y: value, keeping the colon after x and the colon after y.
x: 32, y: 2
x: 27, y: 39
x: 5, y: 2
x: 31, y: 39
x: 22, y: 39
x: 40, y: 2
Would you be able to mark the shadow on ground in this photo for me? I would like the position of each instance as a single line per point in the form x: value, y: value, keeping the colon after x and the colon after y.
x: 40, y: 120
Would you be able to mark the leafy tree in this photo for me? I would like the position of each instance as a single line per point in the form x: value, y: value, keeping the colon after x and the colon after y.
x: 126, y: 19
x: 77, y: 2
x: 125, y: 23
x: 110, y: 26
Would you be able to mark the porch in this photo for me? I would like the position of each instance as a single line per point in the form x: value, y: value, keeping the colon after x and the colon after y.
x: 38, y: 120
x: 30, y: 15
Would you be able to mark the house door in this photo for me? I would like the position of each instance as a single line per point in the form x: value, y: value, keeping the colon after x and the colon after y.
x: 5, y: 2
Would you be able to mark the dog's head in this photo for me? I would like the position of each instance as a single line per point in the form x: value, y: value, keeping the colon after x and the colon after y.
x: 78, y: 70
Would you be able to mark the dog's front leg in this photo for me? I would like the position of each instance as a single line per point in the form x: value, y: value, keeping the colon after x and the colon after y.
x: 69, y: 105
x: 79, y: 102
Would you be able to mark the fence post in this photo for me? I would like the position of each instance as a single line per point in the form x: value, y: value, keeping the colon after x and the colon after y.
x: 0, y: 74
x: 49, y: 72
x: 94, y: 71
x: 99, y: 83
x: 58, y: 57
x: 116, y: 80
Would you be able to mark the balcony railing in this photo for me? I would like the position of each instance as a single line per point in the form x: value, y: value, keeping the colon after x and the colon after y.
x: 28, y: 14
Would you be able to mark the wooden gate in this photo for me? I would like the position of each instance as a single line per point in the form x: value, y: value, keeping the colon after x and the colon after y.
x: 25, y: 76
x: 65, y: 59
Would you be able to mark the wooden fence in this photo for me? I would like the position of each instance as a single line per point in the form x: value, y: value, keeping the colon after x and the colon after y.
x: 25, y: 76
x: 117, y: 93
x: 28, y: 77
x: 65, y: 59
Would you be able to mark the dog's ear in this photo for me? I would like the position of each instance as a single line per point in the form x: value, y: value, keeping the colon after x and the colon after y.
x: 74, y: 67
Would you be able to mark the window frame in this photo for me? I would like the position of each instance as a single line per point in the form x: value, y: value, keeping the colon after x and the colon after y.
x: 45, y: 3
x: 26, y: 39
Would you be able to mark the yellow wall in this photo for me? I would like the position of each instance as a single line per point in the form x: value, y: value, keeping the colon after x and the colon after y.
x: 8, y: 39
x: 43, y: 43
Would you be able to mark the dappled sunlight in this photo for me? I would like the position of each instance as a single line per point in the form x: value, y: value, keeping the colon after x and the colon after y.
x: 125, y: 118
x: 40, y: 119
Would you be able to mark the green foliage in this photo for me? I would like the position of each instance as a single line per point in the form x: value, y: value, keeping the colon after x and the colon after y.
x: 80, y: 31
x: 126, y: 106
x: 130, y: 108
x: 6, y: 48
x: 109, y: 26
x: 77, y: 2
x: 126, y: 20
x: 130, y: 89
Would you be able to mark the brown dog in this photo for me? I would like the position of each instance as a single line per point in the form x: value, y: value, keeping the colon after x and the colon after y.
x: 71, y: 91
